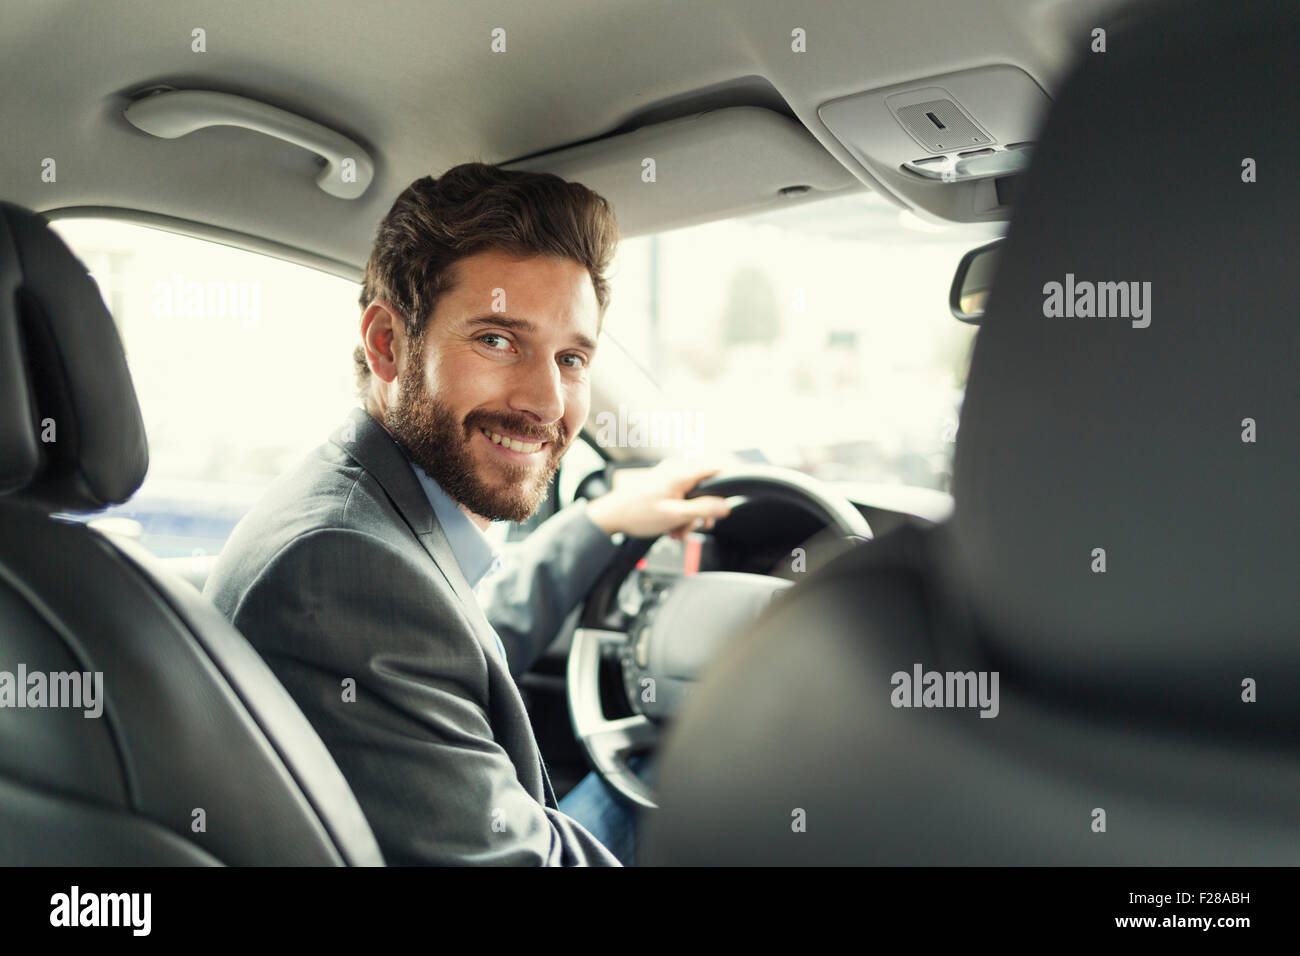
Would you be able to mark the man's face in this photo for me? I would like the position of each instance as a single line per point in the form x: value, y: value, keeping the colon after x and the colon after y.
x: 521, y: 371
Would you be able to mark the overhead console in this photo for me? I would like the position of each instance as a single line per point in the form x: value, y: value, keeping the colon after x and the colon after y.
x: 951, y: 144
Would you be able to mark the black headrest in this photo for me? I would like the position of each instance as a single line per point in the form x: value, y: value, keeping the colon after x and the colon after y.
x: 71, y: 435
x: 1085, y: 438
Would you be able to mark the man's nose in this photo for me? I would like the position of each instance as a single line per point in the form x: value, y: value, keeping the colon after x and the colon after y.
x: 538, y: 390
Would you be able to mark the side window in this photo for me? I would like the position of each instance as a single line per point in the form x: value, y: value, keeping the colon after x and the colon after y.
x: 241, y: 362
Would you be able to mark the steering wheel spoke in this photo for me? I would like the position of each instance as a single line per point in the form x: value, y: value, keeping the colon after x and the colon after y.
x: 608, y: 743
x: 624, y: 736
x: 612, y: 743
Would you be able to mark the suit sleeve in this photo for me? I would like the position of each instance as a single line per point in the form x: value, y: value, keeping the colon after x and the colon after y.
x: 388, y: 670
x: 541, y: 580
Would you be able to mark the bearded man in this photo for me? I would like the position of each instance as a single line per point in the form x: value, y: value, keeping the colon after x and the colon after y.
x: 355, y: 576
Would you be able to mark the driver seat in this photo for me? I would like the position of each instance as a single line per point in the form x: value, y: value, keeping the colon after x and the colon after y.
x: 197, y: 755
x: 1125, y: 539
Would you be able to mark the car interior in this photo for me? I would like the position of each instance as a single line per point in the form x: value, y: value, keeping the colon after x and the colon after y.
x: 186, y: 211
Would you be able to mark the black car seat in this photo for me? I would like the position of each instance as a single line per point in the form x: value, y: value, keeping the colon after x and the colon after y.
x: 197, y: 755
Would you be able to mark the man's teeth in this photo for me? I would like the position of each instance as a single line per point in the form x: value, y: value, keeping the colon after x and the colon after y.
x: 511, y: 443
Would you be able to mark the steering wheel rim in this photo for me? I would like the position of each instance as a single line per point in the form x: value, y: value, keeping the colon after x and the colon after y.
x: 608, y: 744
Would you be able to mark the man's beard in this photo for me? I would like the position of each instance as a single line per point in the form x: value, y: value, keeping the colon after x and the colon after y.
x: 432, y: 438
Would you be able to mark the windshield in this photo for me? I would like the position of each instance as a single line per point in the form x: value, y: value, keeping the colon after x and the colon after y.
x: 817, y: 337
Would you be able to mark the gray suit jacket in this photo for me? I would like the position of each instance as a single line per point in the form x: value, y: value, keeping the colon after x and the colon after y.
x: 343, y: 580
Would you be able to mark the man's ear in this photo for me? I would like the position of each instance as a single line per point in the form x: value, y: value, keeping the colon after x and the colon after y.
x: 384, y: 338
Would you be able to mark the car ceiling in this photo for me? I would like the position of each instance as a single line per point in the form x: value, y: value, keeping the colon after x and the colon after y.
x: 417, y: 84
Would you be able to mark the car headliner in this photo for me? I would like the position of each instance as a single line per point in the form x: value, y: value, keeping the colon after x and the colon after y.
x: 416, y: 84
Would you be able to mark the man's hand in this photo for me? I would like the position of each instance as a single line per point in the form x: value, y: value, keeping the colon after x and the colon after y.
x: 648, y: 502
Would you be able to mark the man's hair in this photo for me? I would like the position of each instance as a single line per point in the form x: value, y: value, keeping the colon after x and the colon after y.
x: 472, y: 208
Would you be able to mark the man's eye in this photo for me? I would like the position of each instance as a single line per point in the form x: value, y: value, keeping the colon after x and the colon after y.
x: 580, y: 363
x: 492, y: 335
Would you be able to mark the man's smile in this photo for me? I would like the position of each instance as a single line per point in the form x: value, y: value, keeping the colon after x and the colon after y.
x: 520, y: 449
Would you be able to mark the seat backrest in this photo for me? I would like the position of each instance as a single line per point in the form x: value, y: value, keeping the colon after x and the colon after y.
x: 1123, y: 548
x: 137, y: 726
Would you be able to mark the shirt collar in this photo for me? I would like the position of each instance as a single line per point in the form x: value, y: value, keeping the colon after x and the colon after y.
x: 474, y: 551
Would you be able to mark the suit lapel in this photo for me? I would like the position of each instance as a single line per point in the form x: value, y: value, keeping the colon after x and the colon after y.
x: 518, y: 715
x: 367, y: 441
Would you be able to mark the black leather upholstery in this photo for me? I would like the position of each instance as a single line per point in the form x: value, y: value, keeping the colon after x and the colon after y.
x: 1119, y: 691
x: 192, y: 718
x: 61, y: 361
x: 1083, y: 433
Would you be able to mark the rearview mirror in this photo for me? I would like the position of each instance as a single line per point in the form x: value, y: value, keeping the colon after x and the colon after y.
x: 974, y: 279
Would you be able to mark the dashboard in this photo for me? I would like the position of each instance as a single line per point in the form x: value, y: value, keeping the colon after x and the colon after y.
x: 668, y: 560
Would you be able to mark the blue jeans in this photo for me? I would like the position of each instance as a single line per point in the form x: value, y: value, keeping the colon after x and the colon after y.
x: 608, y: 817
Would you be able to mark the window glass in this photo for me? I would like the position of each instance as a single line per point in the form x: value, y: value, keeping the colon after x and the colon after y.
x: 817, y: 337
x: 241, y: 363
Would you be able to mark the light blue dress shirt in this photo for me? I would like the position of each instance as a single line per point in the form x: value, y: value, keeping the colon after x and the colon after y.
x: 474, y: 551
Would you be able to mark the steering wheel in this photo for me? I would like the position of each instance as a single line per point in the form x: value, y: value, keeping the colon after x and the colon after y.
x: 678, y: 629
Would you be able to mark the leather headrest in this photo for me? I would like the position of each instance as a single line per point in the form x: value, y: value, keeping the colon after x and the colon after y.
x: 1085, y: 438
x: 71, y: 434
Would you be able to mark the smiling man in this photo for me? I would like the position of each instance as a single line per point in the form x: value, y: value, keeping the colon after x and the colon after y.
x: 356, y: 575
x: 494, y: 457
